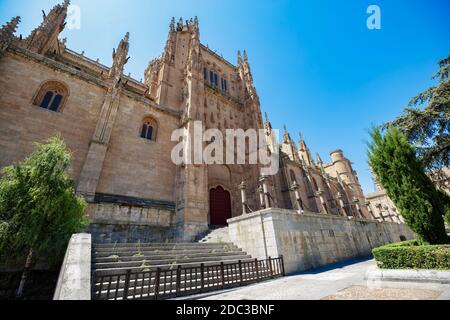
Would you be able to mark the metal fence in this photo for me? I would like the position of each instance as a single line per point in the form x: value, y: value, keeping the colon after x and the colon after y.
x: 184, y: 281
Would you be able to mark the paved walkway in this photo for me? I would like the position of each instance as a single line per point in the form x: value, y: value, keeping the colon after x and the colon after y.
x: 337, y: 282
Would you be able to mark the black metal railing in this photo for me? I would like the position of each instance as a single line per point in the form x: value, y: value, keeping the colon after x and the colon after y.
x: 183, y: 281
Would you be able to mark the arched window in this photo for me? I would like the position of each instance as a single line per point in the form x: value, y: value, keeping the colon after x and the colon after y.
x: 52, y: 95
x: 149, y: 129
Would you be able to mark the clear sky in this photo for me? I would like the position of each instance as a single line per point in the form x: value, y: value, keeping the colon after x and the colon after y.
x: 317, y: 67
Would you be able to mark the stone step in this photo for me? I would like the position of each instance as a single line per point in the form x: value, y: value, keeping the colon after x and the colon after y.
x: 216, y: 236
x: 107, y: 254
x: 133, y: 264
x: 122, y: 270
x: 159, y: 245
x: 199, y: 247
x: 147, y: 251
x: 164, y: 255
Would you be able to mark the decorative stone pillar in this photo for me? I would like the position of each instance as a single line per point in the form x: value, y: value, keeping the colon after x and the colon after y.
x: 263, y: 181
x: 295, y: 187
x: 260, y: 191
x: 243, y: 187
x: 339, y: 196
x: 319, y: 194
x: 355, y: 201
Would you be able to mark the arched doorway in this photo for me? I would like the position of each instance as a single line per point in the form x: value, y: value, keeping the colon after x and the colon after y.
x: 219, y: 206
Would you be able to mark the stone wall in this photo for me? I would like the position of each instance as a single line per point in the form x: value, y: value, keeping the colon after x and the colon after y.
x: 125, y: 219
x: 74, y: 282
x: 22, y: 123
x: 309, y: 240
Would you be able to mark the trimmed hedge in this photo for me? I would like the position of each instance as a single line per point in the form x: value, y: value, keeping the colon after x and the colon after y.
x: 410, y: 255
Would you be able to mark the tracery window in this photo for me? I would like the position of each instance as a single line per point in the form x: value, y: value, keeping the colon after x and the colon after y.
x: 149, y: 129
x: 52, y: 95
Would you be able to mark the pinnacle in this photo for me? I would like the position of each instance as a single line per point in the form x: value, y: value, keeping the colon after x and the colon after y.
x: 10, y: 27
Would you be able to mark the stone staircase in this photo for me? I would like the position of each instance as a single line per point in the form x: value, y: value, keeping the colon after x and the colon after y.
x: 167, y: 270
x: 219, y: 235
x: 114, y: 258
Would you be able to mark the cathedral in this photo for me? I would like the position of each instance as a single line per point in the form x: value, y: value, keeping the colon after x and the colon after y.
x: 119, y: 132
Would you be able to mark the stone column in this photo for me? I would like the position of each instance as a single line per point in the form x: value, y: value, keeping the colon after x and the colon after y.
x: 369, y: 208
x: 261, y: 197
x: 319, y: 194
x: 295, y: 187
x: 243, y: 187
x: 358, y: 208
x: 339, y: 196
x: 263, y: 180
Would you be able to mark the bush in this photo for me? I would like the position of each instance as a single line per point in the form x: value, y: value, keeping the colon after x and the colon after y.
x: 409, y: 255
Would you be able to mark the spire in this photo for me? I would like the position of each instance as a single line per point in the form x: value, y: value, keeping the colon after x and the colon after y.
x: 194, y: 56
x: 246, y: 75
x: 172, y: 24
x: 267, y: 124
x: 180, y: 24
x: 239, y: 58
x: 7, y: 34
x: 7, y: 31
x: 196, y: 22
x: 169, y: 50
x: 245, y: 57
x: 286, y: 135
x: 302, y: 143
x: 322, y: 168
x: 44, y: 38
x: 319, y: 159
x: 304, y: 152
x: 120, y: 58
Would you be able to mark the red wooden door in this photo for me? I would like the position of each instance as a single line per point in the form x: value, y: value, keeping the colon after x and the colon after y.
x: 219, y: 206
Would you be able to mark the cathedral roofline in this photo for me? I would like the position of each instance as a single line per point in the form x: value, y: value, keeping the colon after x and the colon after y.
x: 218, y: 56
x: 71, y: 68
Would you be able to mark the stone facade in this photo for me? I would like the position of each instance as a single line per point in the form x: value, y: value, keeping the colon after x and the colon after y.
x: 382, y: 207
x: 122, y: 167
x: 310, y: 240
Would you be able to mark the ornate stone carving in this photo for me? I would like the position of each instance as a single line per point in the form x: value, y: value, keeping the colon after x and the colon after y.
x: 44, y: 38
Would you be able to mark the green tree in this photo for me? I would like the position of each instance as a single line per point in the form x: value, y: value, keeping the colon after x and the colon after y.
x: 39, y: 210
x: 393, y: 159
x: 428, y: 128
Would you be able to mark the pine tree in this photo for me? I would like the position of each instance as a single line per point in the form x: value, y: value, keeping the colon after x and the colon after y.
x: 421, y: 204
x: 39, y: 210
x: 428, y: 128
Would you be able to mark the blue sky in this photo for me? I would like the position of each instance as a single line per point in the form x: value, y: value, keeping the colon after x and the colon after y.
x: 316, y: 66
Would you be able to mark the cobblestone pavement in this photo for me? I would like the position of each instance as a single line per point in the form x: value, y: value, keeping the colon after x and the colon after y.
x: 338, y: 282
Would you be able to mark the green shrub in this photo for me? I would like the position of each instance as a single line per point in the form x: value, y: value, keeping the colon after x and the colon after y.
x: 409, y: 243
x: 409, y: 255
